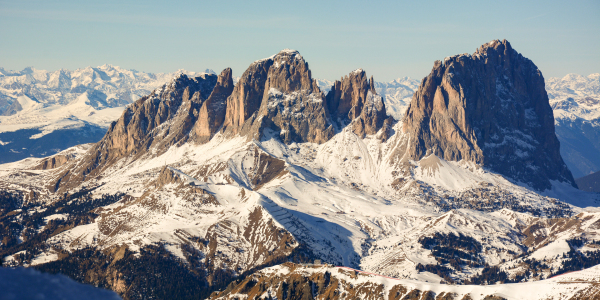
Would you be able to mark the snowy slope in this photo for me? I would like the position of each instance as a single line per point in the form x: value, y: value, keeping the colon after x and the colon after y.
x: 341, y: 283
x: 575, y: 100
x: 338, y: 198
x: 242, y: 203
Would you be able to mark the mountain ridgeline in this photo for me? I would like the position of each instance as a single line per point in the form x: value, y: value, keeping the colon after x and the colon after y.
x: 277, y: 93
x: 489, y: 108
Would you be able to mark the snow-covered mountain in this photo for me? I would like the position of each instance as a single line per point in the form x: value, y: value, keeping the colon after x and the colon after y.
x: 396, y: 93
x: 292, y: 281
x: 42, y: 113
x: 575, y: 100
x: 202, y: 181
x: 106, y: 85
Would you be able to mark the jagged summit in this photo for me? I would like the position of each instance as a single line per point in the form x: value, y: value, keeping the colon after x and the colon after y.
x: 279, y: 93
x: 490, y: 108
x: 353, y: 99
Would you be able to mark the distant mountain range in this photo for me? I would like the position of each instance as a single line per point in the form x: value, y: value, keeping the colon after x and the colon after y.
x: 42, y: 113
x: 575, y: 101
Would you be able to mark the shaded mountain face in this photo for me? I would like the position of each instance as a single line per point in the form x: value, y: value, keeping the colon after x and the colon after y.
x: 490, y: 108
x: 590, y: 183
x: 354, y: 99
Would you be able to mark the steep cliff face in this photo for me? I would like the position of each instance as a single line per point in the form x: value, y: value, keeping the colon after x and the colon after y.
x: 291, y: 104
x: 213, y: 110
x: 490, y: 108
x: 246, y: 96
x: 354, y: 99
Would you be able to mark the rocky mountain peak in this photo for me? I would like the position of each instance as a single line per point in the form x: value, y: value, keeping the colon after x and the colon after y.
x: 139, y: 128
x: 354, y: 99
x: 490, y: 108
x: 279, y: 93
x: 213, y: 110
x: 494, y: 46
x: 290, y: 73
x: 247, y: 95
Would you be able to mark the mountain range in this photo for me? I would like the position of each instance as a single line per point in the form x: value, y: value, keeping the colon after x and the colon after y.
x: 209, y: 186
x: 65, y: 108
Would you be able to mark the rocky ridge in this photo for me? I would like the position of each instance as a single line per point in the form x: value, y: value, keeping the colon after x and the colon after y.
x: 139, y: 128
x: 354, y: 99
x: 292, y: 281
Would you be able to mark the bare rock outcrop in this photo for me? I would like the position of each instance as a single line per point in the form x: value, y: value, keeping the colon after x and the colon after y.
x: 291, y: 103
x: 247, y: 96
x: 213, y: 110
x: 354, y: 100
x: 52, y: 162
x: 490, y: 108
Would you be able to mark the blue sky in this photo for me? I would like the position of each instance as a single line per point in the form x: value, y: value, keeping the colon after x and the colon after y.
x: 388, y: 39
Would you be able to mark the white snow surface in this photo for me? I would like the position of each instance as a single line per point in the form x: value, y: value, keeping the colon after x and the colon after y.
x: 560, y: 287
x: 336, y: 197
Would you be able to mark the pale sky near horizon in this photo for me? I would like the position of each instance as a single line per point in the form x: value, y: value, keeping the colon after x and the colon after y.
x: 388, y: 39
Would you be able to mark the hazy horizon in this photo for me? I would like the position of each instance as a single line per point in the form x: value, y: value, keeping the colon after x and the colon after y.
x: 386, y: 39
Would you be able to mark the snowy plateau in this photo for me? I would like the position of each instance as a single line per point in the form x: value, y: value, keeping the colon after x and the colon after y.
x: 153, y: 208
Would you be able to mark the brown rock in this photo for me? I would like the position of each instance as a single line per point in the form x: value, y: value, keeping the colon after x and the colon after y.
x: 354, y: 99
x: 291, y: 103
x: 139, y: 127
x: 246, y: 96
x: 490, y: 108
x: 213, y: 110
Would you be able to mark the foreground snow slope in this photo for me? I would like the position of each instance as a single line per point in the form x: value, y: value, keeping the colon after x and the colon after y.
x: 329, y: 282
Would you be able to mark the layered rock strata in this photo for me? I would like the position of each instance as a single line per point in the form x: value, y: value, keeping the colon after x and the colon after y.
x: 489, y: 108
x: 290, y: 101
